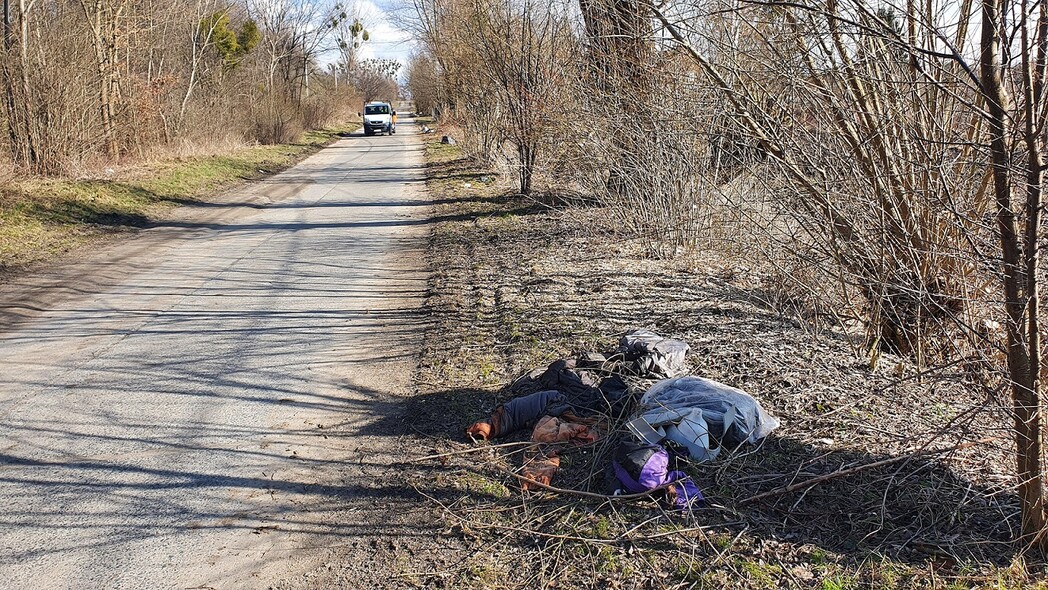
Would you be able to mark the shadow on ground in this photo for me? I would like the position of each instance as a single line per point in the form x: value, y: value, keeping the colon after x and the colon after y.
x: 916, y: 511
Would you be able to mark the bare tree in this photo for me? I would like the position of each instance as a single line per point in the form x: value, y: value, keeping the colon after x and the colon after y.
x: 879, y: 122
x: 505, y: 67
x: 19, y: 92
x: 90, y: 81
x: 1017, y: 145
x: 105, y: 20
x: 424, y: 84
x: 376, y: 79
x: 350, y: 34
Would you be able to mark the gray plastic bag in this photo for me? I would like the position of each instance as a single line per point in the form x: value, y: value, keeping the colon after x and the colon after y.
x: 697, y: 413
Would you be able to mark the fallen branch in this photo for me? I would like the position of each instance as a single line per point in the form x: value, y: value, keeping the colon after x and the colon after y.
x: 852, y: 470
x: 580, y: 493
x: 622, y: 539
x: 468, y: 451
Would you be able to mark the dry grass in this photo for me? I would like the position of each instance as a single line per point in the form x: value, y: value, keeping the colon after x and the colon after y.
x: 518, y: 284
x: 43, y: 217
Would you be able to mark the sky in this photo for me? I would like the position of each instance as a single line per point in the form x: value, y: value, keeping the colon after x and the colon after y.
x: 389, y: 37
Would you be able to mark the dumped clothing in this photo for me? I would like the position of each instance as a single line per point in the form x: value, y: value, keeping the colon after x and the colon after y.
x: 701, y: 415
x: 643, y: 467
x: 571, y: 401
x: 641, y: 353
x: 516, y: 414
x: 583, y: 391
x: 551, y: 429
x: 539, y: 467
x: 593, y: 381
x: 650, y: 355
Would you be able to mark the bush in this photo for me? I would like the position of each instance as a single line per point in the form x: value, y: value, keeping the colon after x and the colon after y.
x: 279, y: 124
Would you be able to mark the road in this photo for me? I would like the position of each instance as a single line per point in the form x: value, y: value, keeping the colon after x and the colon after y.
x: 207, y: 404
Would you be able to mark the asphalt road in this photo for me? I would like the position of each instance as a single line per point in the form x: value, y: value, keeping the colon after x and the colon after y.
x: 190, y: 407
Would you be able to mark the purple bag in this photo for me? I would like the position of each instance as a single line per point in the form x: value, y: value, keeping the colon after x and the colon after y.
x: 642, y: 467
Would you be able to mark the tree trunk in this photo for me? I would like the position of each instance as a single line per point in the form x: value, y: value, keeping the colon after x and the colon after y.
x: 9, y: 85
x: 102, y: 22
x: 28, y: 148
x: 1020, y: 279
x: 620, y: 53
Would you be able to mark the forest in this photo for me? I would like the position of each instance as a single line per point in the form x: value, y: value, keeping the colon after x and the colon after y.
x: 90, y: 83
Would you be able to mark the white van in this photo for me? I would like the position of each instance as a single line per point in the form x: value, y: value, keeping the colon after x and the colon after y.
x: 379, y: 118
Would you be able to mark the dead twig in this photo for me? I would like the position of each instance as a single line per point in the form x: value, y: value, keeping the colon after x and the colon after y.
x: 852, y: 470
x: 468, y: 451
x: 593, y: 495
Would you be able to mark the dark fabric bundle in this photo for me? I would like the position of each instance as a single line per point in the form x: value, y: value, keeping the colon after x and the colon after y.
x: 642, y: 467
x: 649, y: 355
x: 516, y: 414
x: 584, y: 392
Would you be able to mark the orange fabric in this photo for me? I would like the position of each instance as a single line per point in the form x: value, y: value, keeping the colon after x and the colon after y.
x: 540, y: 468
x: 490, y: 428
x: 481, y: 430
x: 551, y: 429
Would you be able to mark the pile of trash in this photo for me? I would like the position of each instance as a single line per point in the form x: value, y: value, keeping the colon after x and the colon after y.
x: 578, y: 401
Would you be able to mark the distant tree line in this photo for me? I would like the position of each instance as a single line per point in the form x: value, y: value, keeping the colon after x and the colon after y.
x: 93, y: 81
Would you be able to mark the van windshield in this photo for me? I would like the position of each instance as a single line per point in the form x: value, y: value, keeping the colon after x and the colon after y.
x: 376, y: 109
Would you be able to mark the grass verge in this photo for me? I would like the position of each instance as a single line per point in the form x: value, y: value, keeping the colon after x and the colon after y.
x: 516, y: 285
x: 43, y: 217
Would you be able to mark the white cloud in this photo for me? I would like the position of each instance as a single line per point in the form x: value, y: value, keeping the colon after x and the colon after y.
x: 386, y: 38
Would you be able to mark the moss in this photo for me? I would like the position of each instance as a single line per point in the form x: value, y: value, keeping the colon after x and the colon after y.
x: 721, y: 541
x: 606, y: 561
x: 760, y: 574
x: 819, y: 557
x: 601, y: 528
x: 482, y: 574
x: 486, y: 369
x: 884, y: 573
x: 839, y: 582
x: 478, y: 484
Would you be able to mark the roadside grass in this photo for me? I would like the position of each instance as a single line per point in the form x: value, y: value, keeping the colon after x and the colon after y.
x: 43, y: 217
x: 465, y: 189
x: 515, y: 288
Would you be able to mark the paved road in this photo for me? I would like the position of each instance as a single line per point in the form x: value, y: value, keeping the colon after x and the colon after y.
x: 190, y: 407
